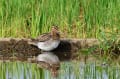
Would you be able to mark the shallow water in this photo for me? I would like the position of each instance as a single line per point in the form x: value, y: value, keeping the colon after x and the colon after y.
x: 68, y: 70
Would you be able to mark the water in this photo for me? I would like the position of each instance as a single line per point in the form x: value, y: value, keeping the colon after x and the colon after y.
x: 69, y: 70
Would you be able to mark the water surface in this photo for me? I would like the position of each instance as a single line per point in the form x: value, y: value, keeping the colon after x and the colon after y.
x: 68, y: 70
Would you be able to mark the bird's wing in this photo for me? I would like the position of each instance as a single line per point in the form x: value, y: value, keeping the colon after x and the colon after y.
x: 44, y: 37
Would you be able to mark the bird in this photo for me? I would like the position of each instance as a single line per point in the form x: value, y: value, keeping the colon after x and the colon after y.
x: 49, y: 61
x: 48, y: 41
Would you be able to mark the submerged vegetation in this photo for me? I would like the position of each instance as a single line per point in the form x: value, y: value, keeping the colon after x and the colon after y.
x: 19, y: 70
x: 68, y: 71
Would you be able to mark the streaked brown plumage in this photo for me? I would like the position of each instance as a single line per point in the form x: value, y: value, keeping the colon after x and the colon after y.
x: 46, y: 36
x: 48, y: 41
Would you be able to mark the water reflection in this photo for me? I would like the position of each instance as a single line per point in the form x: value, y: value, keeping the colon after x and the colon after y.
x: 68, y: 70
x: 50, y: 61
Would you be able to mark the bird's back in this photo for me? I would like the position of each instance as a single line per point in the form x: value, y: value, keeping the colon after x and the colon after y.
x: 44, y: 37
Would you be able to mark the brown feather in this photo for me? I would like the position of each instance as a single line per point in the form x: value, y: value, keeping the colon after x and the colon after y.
x: 44, y: 37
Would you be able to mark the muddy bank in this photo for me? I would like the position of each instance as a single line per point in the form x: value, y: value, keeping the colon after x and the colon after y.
x: 69, y: 49
x: 16, y: 48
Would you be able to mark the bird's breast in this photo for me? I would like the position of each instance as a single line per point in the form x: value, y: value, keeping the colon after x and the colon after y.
x: 48, y: 45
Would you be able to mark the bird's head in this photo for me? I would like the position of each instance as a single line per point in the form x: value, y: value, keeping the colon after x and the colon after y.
x: 55, y: 28
x: 55, y: 32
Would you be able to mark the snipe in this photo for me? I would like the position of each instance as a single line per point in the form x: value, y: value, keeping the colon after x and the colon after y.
x: 48, y: 41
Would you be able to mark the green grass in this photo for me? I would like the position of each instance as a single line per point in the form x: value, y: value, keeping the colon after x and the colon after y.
x: 76, y: 18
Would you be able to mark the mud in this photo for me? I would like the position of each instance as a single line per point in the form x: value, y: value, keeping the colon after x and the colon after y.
x: 16, y: 48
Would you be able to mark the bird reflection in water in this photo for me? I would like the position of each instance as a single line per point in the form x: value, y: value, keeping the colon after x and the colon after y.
x: 50, y: 61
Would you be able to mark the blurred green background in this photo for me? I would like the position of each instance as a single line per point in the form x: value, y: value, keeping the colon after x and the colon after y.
x: 75, y: 18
